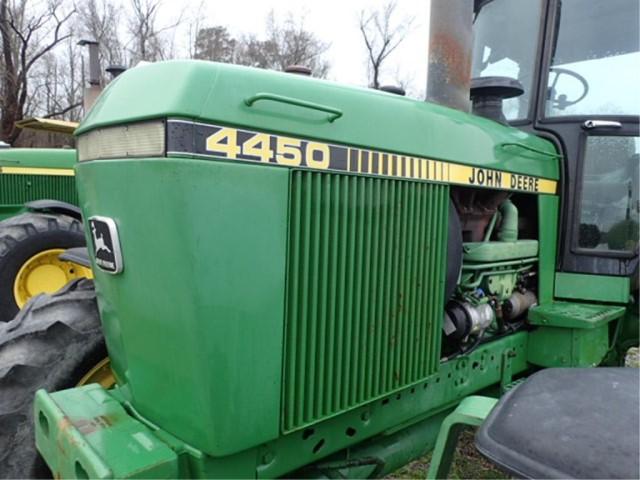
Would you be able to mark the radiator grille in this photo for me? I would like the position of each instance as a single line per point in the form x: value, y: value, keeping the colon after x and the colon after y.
x: 364, y: 290
x: 18, y: 189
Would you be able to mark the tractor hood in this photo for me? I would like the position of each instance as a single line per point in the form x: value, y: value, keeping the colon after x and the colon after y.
x: 57, y: 158
x: 281, y: 211
x: 214, y: 93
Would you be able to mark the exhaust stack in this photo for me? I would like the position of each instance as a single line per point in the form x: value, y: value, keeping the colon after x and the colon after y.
x: 94, y: 83
x: 450, y: 46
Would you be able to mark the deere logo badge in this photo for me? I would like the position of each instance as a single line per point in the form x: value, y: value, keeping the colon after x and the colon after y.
x: 106, y: 244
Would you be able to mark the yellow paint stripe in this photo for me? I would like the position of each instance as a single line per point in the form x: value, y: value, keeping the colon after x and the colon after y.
x: 547, y: 186
x: 460, y: 174
x: 64, y: 172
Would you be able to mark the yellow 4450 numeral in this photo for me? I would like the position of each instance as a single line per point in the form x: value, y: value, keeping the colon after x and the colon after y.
x: 288, y: 150
x: 224, y: 141
x: 258, y: 146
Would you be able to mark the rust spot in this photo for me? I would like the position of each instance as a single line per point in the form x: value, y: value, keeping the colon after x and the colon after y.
x: 60, y: 444
x: 63, y: 427
x: 64, y: 424
x: 89, y: 425
x: 446, y: 50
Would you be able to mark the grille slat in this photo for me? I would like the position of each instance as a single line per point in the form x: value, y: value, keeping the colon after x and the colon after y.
x: 364, y: 293
x: 19, y: 189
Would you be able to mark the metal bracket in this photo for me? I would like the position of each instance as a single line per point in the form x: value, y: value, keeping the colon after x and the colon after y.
x: 507, y: 372
x: 472, y: 411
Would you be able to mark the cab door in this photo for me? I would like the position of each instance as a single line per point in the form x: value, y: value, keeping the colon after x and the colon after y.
x: 589, y: 103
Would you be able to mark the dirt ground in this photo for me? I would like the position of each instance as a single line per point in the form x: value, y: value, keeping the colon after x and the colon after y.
x: 467, y: 463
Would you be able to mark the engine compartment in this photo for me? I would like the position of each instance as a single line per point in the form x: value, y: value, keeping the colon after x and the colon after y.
x: 496, y: 282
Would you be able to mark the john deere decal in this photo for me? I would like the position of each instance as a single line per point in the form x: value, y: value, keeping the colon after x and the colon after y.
x: 106, y: 244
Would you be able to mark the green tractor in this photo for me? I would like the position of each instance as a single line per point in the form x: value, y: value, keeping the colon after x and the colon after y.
x: 39, y: 220
x: 296, y: 278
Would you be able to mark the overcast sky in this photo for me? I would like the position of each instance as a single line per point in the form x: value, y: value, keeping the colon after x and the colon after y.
x: 334, y: 22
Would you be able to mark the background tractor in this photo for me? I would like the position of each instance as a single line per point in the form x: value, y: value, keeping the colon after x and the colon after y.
x: 39, y: 220
x: 297, y: 278
x: 39, y: 214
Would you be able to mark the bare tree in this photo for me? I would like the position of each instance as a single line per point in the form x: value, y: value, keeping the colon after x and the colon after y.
x: 59, y: 83
x: 287, y: 43
x: 382, y: 35
x: 195, y: 22
x: 99, y: 20
x: 215, y: 43
x: 26, y: 39
x: 149, y: 40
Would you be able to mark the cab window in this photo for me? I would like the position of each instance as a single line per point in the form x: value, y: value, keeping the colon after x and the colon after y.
x: 506, y: 47
x: 609, y: 206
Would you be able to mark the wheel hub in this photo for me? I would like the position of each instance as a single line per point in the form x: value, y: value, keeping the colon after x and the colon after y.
x: 43, y: 273
x: 101, y: 374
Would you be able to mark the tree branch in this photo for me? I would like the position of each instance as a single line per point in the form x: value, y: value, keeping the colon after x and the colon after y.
x: 63, y: 111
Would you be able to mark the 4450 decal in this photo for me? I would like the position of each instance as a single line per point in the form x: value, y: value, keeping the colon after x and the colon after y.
x: 222, y: 142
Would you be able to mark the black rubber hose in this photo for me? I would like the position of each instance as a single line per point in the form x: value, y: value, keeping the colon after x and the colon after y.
x: 454, y: 251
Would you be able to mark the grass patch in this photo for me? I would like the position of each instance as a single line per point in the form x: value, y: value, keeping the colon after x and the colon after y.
x: 467, y: 463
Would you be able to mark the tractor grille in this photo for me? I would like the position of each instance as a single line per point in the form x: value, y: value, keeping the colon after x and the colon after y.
x: 364, y: 295
x: 18, y: 189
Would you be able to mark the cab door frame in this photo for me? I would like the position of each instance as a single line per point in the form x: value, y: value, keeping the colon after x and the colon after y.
x: 570, y: 136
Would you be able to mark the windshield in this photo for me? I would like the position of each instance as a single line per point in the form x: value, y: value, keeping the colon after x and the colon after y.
x: 595, y: 67
x: 505, y: 44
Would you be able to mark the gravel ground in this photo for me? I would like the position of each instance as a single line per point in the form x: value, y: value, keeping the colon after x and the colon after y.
x: 467, y: 463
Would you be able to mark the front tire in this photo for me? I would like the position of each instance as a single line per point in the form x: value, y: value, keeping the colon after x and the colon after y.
x: 51, y: 344
x: 29, y: 247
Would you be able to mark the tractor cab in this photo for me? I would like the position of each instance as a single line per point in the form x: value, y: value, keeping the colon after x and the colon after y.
x: 578, y: 64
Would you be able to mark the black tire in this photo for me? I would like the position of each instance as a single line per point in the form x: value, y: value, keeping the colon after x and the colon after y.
x: 51, y: 344
x: 22, y: 237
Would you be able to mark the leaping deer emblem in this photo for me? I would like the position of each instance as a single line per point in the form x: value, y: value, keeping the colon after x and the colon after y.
x: 98, y: 241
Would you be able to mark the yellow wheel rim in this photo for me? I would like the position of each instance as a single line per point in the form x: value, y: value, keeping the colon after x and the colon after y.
x: 101, y: 374
x: 45, y: 273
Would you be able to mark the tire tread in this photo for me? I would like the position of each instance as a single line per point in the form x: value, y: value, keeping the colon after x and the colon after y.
x: 49, y: 344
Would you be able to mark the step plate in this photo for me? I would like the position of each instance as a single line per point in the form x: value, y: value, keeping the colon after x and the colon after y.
x: 85, y: 433
x: 573, y: 315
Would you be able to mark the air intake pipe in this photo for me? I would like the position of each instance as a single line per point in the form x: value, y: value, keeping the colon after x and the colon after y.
x: 489, y: 93
x: 508, y: 231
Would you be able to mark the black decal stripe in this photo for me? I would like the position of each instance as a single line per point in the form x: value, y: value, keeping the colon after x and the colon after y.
x: 190, y: 138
